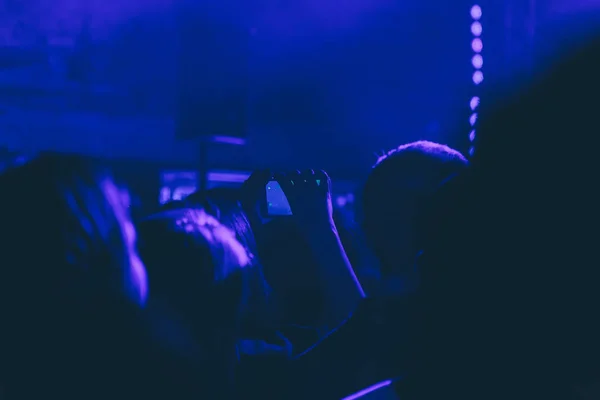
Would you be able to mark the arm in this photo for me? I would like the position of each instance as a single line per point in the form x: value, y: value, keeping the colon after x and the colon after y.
x: 341, y: 287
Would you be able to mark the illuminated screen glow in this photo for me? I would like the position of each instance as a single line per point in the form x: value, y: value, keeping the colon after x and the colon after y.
x: 277, y: 202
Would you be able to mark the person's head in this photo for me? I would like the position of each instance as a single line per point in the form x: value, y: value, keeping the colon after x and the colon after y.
x: 393, y: 199
x: 224, y: 204
x: 197, y: 275
x: 69, y: 277
x: 512, y: 295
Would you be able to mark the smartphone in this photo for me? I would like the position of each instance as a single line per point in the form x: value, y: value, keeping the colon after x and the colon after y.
x: 277, y: 202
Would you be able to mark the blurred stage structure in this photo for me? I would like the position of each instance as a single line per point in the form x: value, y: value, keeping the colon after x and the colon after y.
x: 306, y: 85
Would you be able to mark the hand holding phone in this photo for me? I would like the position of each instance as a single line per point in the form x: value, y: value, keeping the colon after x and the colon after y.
x: 277, y: 202
x: 306, y: 195
x: 253, y: 197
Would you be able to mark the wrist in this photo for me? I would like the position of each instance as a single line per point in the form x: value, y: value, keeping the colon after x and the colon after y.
x: 323, y: 237
x: 318, y: 226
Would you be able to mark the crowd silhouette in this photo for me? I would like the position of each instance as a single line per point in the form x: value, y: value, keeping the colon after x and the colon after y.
x: 488, y: 285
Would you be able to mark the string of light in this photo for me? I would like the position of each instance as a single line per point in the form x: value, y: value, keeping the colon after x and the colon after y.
x: 477, y: 63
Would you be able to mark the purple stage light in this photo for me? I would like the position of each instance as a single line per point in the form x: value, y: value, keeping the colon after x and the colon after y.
x: 473, y: 119
x: 474, y: 103
x: 229, y: 140
x: 477, y: 62
x: 228, y: 177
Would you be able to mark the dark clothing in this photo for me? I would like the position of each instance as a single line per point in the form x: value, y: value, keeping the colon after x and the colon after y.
x: 265, y: 358
x: 377, y: 342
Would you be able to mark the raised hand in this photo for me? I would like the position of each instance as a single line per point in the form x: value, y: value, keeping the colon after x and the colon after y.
x: 309, y: 195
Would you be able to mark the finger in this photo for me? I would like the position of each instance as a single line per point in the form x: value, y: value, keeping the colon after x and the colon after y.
x: 259, y: 177
x: 282, y: 179
x: 322, y: 176
x: 290, y: 183
x: 253, y: 191
x: 255, y: 182
x: 295, y: 177
x: 308, y: 176
x: 265, y: 175
x: 253, y: 187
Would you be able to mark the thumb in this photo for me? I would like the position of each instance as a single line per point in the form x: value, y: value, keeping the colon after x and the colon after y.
x: 254, y: 185
x: 258, y: 178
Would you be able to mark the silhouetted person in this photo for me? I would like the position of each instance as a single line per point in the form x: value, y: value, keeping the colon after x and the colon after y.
x: 72, y: 287
x: 393, y: 199
x: 265, y: 344
x: 224, y: 204
x: 510, y: 279
x: 198, y: 282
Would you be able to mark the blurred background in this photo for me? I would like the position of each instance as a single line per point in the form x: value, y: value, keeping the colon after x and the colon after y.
x: 181, y: 94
